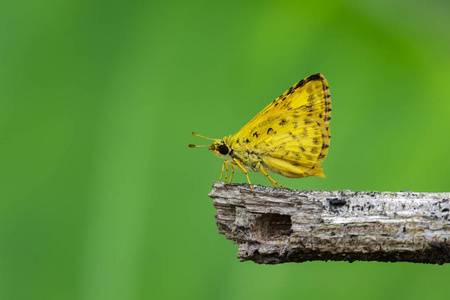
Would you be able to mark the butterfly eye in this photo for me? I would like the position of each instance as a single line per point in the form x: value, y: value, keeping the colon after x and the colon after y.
x: 223, y: 149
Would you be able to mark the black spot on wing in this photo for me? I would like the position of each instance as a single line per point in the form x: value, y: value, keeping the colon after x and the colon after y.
x: 314, y: 150
x: 283, y: 122
x: 309, y: 157
x: 289, y: 91
x: 313, y: 77
x: 307, y: 121
x: 304, y: 133
x: 300, y: 83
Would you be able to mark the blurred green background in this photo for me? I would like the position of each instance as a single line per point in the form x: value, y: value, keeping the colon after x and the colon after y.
x: 100, y: 196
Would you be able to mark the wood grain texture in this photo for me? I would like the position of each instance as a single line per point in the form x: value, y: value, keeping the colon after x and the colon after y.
x: 279, y: 226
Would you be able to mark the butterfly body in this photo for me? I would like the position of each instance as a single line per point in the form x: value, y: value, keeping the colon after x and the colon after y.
x: 234, y: 151
x: 289, y: 137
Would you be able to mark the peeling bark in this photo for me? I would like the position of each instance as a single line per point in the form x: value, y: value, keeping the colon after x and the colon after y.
x: 278, y: 225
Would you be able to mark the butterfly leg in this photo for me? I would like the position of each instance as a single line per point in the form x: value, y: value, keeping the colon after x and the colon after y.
x: 224, y: 167
x: 226, y: 171
x: 232, y: 172
x: 270, y: 178
x: 246, y: 175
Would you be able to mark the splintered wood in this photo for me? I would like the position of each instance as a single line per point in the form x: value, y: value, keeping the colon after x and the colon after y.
x: 278, y: 226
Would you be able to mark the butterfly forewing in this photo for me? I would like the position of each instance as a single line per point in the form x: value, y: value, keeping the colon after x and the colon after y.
x: 311, y: 93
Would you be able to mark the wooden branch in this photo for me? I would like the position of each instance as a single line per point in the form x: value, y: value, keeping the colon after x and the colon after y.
x: 278, y: 225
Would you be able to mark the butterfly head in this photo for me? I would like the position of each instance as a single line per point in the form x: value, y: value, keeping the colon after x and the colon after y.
x: 219, y: 147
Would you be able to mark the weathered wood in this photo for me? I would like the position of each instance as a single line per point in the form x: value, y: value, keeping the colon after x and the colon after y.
x: 278, y: 225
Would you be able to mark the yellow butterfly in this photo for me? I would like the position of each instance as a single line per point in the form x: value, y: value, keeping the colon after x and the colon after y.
x: 291, y: 136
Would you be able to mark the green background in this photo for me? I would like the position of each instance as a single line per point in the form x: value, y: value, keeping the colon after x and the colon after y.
x: 100, y: 197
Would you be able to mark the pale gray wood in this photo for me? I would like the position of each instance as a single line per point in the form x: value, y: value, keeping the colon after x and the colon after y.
x: 279, y: 225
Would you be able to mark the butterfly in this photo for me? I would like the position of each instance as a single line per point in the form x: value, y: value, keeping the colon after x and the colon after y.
x: 290, y: 137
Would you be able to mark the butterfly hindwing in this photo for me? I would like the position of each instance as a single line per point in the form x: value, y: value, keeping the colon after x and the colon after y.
x: 290, y: 143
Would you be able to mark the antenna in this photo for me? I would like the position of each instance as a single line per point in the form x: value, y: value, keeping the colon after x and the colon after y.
x: 203, y: 137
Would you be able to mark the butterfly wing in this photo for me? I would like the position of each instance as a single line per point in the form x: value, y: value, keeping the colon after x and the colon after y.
x: 297, y: 147
x: 291, y: 135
